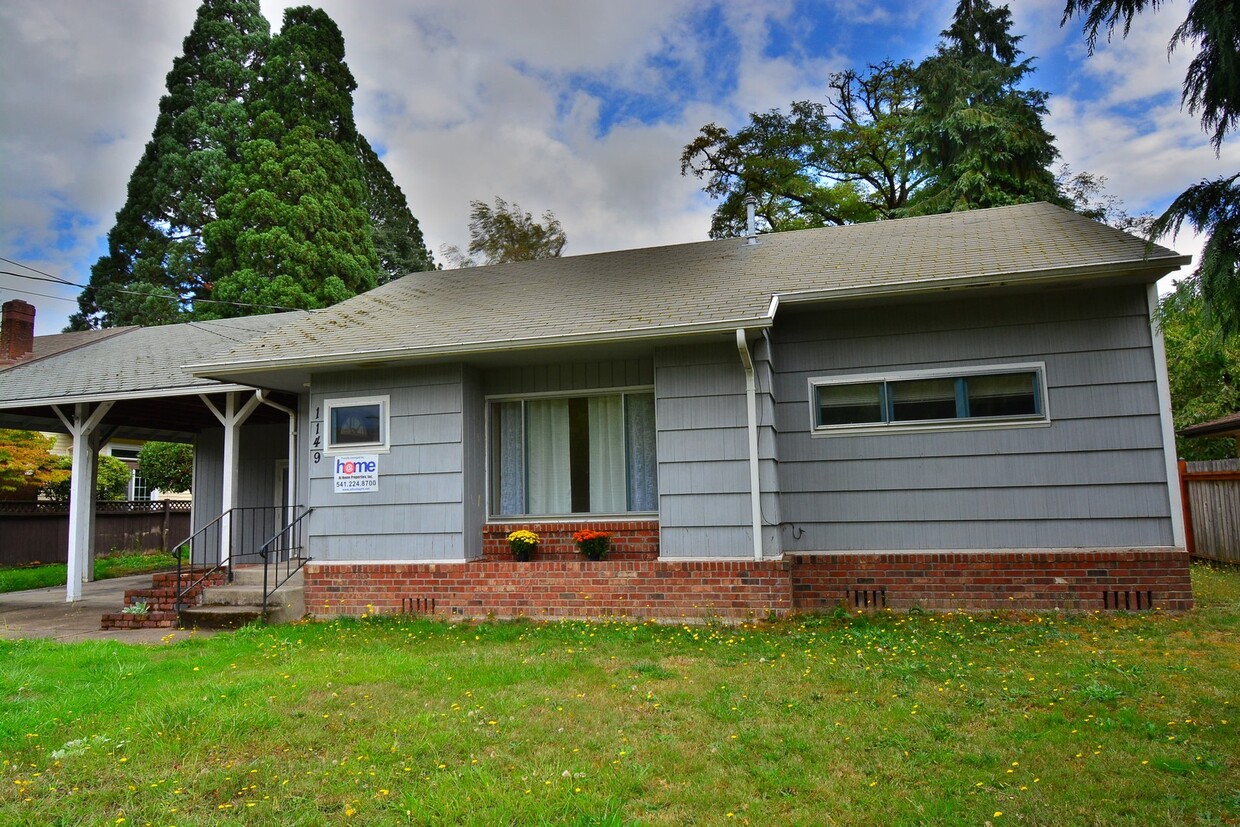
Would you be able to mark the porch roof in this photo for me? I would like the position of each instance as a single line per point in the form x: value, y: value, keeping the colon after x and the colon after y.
x: 139, y: 368
x: 697, y: 288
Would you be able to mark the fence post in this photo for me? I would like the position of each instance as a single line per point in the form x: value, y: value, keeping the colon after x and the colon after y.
x: 163, y: 539
x: 1189, y: 545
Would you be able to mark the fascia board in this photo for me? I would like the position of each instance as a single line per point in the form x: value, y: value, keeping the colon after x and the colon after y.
x: 1155, y: 267
x: 123, y: 396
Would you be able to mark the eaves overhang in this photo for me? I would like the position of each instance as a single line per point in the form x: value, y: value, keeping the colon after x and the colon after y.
x: 381, y: 356
x: 1145, y: 270
x: 124, y: 396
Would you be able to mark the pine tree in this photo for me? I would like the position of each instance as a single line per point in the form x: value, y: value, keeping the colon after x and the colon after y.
x: 978, y: 134
x: 156, y: 245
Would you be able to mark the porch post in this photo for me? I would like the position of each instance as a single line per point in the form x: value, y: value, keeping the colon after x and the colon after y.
x: 232, y: 418
x: 83, y: 427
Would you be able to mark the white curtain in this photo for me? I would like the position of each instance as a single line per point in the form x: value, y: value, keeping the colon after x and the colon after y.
x: 547, y: 462
x: 510, y: 458
x: 607, y: 478
x: 643, y: 464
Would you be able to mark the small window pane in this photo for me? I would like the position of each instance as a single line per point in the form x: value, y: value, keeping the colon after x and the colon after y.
x: 850, y: 404
x: 356, y: 425
x: 1003, y: 394
x: 923, y: 399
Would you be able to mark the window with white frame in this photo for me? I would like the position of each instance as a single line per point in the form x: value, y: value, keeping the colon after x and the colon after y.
x: 970, y: 397
x: 564, y: 455
x: 357, y: 424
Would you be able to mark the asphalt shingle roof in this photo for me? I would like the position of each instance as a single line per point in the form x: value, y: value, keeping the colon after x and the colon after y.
x: 136, y: 360
x: 706, y: 285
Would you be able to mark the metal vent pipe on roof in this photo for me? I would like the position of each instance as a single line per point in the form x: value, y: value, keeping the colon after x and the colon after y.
x: 751, y: 222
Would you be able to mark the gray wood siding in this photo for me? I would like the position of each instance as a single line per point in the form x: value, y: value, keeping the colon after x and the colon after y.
x: 575, y: 376
x: 703, y: 448
x: 261, y: 446
x: 1094, y: 477
x: 475, y: 446
x: 418, y: 511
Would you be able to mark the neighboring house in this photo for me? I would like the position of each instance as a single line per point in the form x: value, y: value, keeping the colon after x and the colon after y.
x: 1224, y: 426
x: 958, y: 411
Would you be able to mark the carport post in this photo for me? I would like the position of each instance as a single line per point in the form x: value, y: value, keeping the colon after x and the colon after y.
x: 84, y: 428
x: 232, y: 419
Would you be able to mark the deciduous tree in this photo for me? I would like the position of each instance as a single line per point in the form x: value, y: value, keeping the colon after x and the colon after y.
x: 842, y: 161
x: 26, y: 461
x: 168, y: 466
x: 506, y: 233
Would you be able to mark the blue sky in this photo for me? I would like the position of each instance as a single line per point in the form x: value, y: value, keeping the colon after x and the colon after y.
x: 574, y: 106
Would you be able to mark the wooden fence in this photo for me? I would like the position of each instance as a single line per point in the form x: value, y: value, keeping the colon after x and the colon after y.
x: 1211, y: 493
x: 37, y: 532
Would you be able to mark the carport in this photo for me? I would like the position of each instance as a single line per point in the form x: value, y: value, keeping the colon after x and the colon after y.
x: 132, y: 385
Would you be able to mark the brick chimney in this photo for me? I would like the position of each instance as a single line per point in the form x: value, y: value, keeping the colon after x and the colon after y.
x: 16, y: 330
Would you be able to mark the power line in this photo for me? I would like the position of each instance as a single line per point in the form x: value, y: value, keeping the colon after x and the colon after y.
x: 40, y: 295
x: 58, y: 280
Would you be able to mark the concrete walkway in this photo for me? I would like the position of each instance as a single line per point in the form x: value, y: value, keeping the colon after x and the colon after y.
x: 43, y: 613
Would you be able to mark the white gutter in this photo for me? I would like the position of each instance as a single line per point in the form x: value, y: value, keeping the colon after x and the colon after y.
x: 290, y: 506
x: 751, y: 405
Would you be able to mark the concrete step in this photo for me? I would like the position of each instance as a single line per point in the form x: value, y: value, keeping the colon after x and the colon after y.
x: 253, y: 575
x: 219, y: 617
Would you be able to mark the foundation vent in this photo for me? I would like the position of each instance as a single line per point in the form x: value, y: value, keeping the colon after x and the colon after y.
x: 867, y: 598
x: 417, y: 605
x: 1129, y: 601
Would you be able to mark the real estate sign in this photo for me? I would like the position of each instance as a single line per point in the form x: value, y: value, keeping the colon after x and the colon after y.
x: 357, y: 474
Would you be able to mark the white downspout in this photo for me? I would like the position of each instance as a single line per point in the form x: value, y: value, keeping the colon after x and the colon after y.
x: 291, y: 505
x: 751, y: 405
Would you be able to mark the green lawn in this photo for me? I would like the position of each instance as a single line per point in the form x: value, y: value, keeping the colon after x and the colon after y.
x: 20, y: 578
x: 942, y: 719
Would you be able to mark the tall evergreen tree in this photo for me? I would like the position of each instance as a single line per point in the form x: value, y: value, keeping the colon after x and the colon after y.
x: 293, y: 229
x: 255, y: 164
x: 396, y: 233
x: 156, y: 246
x: 978, y: 134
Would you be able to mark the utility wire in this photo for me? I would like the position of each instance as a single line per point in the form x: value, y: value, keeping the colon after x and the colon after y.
x: 67, y: 283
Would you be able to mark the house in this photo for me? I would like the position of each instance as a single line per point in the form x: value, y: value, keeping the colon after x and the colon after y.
x: 958, y: 411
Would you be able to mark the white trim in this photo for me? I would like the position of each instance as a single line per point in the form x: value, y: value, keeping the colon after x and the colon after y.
x: 611, y: 391
x: 1039, y: 420
x: 1165, y: 416
x: 122, y: 396
x: 987, y: 551
x: 383, y: 446
x: 584, y: 516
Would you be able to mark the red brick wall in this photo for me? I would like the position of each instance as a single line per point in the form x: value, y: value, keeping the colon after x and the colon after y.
x: 630, y: 539
x: 607, y: 588
x: 736, y: 590
x: 1033, y: 580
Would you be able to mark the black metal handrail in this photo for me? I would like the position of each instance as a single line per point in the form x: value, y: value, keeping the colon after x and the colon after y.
x: 247, y: 526
x: 294, y: 526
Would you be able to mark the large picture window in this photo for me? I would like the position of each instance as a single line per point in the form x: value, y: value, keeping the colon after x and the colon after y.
x: 958, y: 398
x: 355, y: 424
x: 565, y: 455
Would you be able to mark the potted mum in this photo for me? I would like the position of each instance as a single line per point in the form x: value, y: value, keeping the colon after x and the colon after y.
x: 523, y: 543
x: 592, y: 545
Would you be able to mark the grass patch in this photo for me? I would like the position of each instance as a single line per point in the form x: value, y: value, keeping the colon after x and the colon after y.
x: 119, y: 564
x: 934, y: 719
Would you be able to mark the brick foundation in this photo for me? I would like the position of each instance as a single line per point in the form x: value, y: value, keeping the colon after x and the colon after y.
x: 553, y: 589
x: 630, y: 539
x: 737, y: 590
x: 160, y: 599
x: 1071, y: 580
